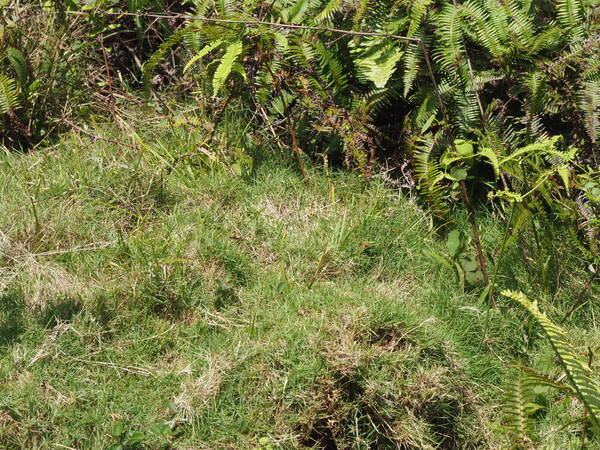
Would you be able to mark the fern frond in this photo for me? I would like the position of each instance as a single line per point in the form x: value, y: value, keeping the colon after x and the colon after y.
x: 579, y: 373
x: 8, y: 94
x: 429, y: 176
x: 515, y: 407
x: 296, y: 12
x: 204, y: 51
x: 361, y: 12
x: 589, y: 105
x: 232, y: 52
x: 149, y: 66
x: 570, y: 16
x: 521, y: 25
x: 411, y: 61
x: 224, y: 7
x: 329, y: 10
x: 332, y: 69
x: 450, y: 52
x: 376, y: 59
x: 417, y: 11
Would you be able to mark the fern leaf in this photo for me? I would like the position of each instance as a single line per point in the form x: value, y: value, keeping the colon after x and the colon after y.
x: 430, y: 177
x: 418, y: 8
x: 331, y: 67
x: 376, y: 60
x: 579, y: 373
x: 8, y: 94
x: 492, y: 158
x: 450, y: 54
x: 232, y: 52
x: 411, y: 66
x: 296, y: 13
x: 570, y: 16
x: 149, y: 66
x: 330, y: 9
x: 204, y: 51
x: 361, y: 11
x: 223, y: 7
x: 516, y: 418
x: 589, y: 104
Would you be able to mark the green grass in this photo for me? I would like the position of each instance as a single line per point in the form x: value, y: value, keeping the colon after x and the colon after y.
x: 142, y: 286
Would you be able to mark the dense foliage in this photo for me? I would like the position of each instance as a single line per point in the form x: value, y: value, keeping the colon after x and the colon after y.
x: 493, y: 103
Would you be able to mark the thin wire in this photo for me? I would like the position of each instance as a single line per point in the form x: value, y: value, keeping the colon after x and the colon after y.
x: 254, y: 22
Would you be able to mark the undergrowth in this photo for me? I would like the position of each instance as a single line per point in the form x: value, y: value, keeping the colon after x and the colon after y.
x: 153, y: 296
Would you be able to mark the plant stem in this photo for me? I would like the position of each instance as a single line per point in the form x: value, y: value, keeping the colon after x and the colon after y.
x: 475, y: 232
x: 500, y: 255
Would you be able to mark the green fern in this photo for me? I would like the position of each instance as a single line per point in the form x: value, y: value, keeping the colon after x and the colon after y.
x: 516, y: 410
x: 570, y: 16
x: 376, y: 60
x: 589, y: 105
x: 232, y: 52
x: 201, y: 53
x: 331, y: 68
x: 157, y: 57
x: 9, y: 95
x: 361, y: 11
x: 578, y: 372
x: 519, y: 403
x: 329, y: 10
x: 430, y: 176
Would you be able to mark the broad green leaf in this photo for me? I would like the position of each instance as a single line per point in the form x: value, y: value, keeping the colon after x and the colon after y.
x: 474, y: 278
x: 458, y: 173
x: 117, y: 429
x: 453, y: 242
x: 135, y: 437
x: 469, y: 264
x: 464, y: 148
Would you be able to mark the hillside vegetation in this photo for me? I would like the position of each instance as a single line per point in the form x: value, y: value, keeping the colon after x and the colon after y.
x: 299, y: 223
x: 141, y: 287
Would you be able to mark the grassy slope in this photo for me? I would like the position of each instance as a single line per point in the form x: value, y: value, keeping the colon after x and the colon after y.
x: 139, y: 287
